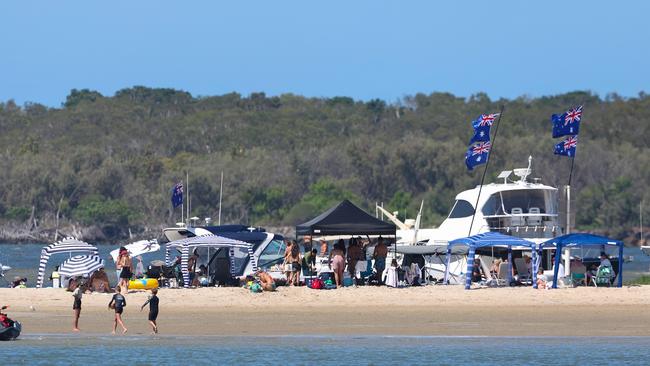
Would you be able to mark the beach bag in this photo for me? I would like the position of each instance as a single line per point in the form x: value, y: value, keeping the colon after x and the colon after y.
x: 326, y: 276
x: 317, y: 284
x: 256, y: 288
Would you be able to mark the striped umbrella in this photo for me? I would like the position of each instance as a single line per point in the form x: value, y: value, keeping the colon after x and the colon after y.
x: 80, y: 265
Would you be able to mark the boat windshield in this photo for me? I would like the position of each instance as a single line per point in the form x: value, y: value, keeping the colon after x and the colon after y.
x: 520, y: 201
x: 461, y: 209
x: 273, y: 254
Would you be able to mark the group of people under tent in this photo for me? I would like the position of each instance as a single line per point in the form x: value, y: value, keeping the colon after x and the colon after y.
x: 342, y: 259
x: 580, y: 273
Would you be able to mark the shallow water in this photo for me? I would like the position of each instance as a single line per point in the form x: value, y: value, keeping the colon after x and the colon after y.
x: 323, y: 350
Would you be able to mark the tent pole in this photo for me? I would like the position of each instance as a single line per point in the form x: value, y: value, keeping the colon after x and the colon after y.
x: 620, y: 264
x: 470, y: 267
x: 509, y: 265
x: 534, y: 266
x: 447, y: 262
x: 556, y: 265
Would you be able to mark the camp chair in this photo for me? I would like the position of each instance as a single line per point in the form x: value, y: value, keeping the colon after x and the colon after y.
x: 603, y: 276
x: 523, y: 274
x: 579, y: 275
x: 490, y: 279
x: 502, y: 278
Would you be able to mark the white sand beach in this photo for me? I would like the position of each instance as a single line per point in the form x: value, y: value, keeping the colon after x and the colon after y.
x: 432, y: 310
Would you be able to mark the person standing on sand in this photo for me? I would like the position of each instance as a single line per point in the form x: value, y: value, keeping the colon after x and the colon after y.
x: 153, y: 309
x: 379, y: 255
x: 125, y: 265
x: 337, y: 263
x: 118, y: 302
x: 77, y: 293
x: 287, y: 262
x: 354, y: 255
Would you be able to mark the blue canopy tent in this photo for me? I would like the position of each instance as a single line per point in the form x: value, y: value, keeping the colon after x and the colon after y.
x: 489, y: 239
x: 583, y: 240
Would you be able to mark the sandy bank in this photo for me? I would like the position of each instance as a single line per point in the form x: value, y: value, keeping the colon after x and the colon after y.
x: 433, y: 310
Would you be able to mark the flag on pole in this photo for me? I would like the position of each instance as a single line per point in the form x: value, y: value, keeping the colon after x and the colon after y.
x: 567, y: 147
x: 482, y: 127
x: 177, y: 195
x: 567, y: 123
x: 477, y: 154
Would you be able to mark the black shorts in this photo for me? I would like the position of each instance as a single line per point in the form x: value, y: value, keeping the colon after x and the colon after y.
x: 125, y: 274
x: 77, y: 304
x: 119, y: 310
x: 153, y: 315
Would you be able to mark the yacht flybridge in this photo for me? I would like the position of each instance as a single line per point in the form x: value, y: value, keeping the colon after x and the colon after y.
x: 519, y: 208
x: 513, y: 206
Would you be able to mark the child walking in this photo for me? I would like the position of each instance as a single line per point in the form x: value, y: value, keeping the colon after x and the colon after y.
x: 118, y: 302
x: 77, y: 293
x: 153, y: 309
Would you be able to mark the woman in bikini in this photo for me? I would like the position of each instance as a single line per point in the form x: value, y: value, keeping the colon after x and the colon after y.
x: 337, y: 263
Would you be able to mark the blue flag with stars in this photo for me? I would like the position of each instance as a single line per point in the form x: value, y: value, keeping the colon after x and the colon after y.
x: 567, y: 123
x: 477, y: 154
x: 482, y: 127
x: 177, y: 195
x: 567, y: 147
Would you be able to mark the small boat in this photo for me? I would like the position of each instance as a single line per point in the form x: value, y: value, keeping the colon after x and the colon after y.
x: 9, y: 329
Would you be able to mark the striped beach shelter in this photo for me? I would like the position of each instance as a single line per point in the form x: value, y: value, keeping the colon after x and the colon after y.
x: 68, y: 245
x: 185, y: 246
x: 489, y: 239
x: 80, y: 265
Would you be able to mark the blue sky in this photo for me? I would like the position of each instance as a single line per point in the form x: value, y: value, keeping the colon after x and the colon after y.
x: 362, y: 49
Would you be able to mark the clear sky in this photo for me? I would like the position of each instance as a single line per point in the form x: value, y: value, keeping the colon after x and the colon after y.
x: 363, y: 49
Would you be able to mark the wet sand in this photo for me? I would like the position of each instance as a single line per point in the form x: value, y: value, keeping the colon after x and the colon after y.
x: 432, y: 310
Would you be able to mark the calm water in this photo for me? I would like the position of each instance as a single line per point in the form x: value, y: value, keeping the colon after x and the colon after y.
x: 24, y: 260
x: 324, y: 350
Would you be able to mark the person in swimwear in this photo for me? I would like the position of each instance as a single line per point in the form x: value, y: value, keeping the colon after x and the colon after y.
x: 118, y: 302
x: 77, y: 293
x: 337, y: 263
x: 267, y: 282
x: 153, y: 309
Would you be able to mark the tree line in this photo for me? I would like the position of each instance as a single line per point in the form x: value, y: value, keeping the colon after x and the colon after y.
x: 107, y: 163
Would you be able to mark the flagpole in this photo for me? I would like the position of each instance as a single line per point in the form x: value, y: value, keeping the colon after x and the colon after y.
x: 480, y: 187
x: 568, y: 198
x: 220, y: 196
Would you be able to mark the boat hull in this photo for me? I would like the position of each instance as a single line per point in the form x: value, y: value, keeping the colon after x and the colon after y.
x: 10, y: 333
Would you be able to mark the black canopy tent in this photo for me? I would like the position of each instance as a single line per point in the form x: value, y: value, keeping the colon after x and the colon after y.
x: 346, y: 219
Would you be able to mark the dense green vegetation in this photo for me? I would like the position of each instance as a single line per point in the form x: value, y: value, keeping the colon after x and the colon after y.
x: 113, y: 160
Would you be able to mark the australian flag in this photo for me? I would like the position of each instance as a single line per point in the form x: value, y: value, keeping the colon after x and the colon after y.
x: 567, y: 123
x: 177, y: 195
x: 567, y: 147
x: 482, y: 127
x: 477, y: 154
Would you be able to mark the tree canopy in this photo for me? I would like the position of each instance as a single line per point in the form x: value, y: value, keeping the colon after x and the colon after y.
x: 112, y: 161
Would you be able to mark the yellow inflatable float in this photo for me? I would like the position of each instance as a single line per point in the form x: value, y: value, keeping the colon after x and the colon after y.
x: 143, y: 284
